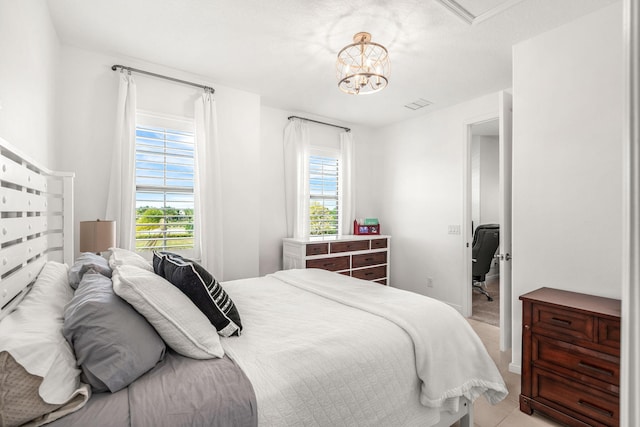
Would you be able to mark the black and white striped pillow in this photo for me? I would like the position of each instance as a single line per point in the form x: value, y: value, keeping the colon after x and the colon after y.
x: 202, y: 289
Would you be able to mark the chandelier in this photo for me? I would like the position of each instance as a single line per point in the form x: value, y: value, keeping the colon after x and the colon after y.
x: 363, y: 67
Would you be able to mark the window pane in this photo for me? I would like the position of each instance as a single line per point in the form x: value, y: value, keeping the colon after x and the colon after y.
x: 164, y: 189
x: 323, y: 189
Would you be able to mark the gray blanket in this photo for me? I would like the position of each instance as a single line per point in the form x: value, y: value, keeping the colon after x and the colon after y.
x: 178, y: 392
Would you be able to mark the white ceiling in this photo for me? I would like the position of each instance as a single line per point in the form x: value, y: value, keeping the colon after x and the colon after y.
x: 285, y: 50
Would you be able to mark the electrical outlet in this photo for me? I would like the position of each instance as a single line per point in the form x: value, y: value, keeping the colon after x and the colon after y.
x: 429, y: 282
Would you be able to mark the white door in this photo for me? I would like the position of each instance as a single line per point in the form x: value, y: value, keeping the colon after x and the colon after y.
x: 505, y: 219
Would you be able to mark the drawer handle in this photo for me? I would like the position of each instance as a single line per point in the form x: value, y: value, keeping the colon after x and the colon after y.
x: 368, y: 259
x: 329, y: 264
x: 595, y: 408
x: 368, y: 274
x: 561, y: 321
x: 597, y: 369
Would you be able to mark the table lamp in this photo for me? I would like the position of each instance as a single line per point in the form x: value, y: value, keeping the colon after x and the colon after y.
x: 97, y: 236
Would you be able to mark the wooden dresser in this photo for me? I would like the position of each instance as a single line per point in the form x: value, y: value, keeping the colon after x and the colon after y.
x: 571, y: 357
x: 364, y: 257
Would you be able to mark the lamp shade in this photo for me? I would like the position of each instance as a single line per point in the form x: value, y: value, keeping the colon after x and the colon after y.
x: 97, y: 236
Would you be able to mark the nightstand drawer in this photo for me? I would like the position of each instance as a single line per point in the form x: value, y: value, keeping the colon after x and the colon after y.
x: 317, y: 249
x: 558, y: 392
x: 595, y: 368
x: 609, y: 333
x: 562, y: 322
x: 331, y: 264
x: 370, y: 273
x: 356, y: 245
x: 369, y: 259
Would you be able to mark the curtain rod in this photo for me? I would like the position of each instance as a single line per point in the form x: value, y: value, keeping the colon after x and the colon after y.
x: 135, y: 70
x: 322, y: 123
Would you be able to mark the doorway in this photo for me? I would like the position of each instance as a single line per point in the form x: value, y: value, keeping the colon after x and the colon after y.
x: 485, y: 220
x: 503, y: 115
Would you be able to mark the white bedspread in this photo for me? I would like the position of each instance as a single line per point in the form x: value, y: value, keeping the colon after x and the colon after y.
x: 325, y: 349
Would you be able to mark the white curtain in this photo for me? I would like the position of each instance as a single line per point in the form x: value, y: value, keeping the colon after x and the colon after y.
x: 122, y: 185
x: 347, y: 183
x: 296, y: 170
x: 208, y: 187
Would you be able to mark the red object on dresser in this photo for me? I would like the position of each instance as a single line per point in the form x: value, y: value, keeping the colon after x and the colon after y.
x: 360, y: 229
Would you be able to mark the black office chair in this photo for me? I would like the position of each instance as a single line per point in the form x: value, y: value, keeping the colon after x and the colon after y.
x: 485, y: 244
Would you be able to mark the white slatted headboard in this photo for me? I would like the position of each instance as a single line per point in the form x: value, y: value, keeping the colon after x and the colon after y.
x: 36, y: 222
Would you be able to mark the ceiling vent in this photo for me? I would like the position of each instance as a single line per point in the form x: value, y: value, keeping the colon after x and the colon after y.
x: 475, y: 11
x: 418, y: 104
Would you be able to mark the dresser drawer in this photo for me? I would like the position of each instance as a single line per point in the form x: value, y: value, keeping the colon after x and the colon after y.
x: 370, y: 273
x: 364, y: 260
x: 609, y: 333
x: 356, y: 245
x: 562, y: 322
x: 378, y: 243
x: 331, y: 264
x: 570, y: 396
x: 595, y: 368
x: 317, y: 249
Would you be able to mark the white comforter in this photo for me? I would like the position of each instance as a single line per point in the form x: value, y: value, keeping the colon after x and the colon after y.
x: 325, y: 349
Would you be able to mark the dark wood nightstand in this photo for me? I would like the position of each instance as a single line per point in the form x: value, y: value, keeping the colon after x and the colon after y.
x: 571, y: 357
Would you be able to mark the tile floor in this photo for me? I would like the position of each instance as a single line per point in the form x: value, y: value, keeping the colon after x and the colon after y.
x: 506, y: 413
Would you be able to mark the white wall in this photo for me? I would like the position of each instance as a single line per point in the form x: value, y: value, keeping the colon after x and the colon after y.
x: 484, y: 180
x: 86, y: 101
x: 417, y: 168
x: 567, y: 160
x: 29, y: 50
x: 272, y: 205
x: 489, y: 180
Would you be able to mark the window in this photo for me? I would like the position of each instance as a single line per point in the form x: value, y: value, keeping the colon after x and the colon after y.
x: 324, y: 209
x: 165, y: 162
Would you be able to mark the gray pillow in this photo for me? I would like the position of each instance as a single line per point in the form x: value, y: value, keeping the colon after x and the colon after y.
x: 84, y: 263
x: 114, y: 344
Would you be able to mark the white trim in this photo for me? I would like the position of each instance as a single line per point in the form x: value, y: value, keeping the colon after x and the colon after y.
x: 151, y: 118
x: 515, y: 368
x: 318, y: 150
x: 471, y: 19
x: 630, y: 339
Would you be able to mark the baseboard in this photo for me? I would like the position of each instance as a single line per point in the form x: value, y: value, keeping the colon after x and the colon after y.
x: 456, y: 306
x: 515, y: 368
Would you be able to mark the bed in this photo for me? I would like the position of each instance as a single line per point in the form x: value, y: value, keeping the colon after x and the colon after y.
x: 316, y: 348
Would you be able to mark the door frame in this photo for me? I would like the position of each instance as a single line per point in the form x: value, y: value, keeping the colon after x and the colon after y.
x: 630, y: 366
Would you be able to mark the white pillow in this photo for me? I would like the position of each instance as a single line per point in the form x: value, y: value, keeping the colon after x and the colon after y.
x: 121, y: 256
x: 178, y: 321
x: 32, y: 335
